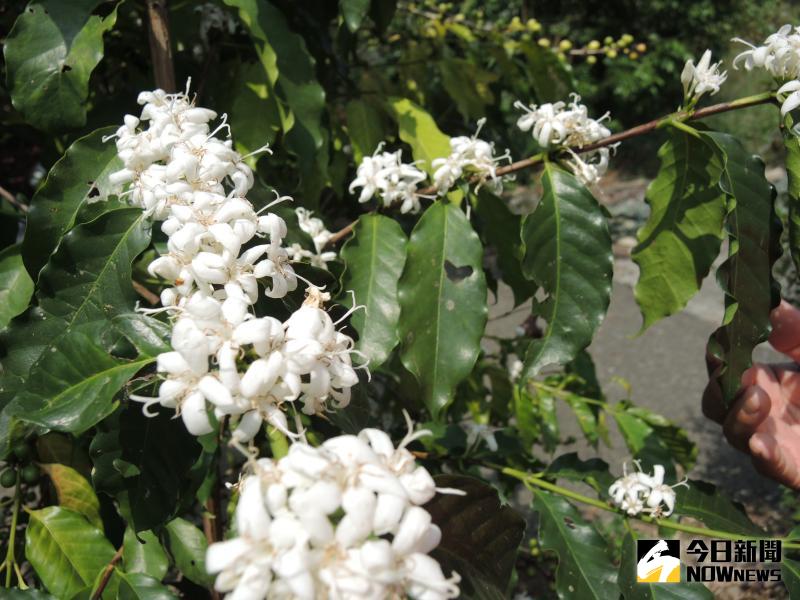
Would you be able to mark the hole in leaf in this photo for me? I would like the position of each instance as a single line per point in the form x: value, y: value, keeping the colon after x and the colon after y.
x: 66, y: 68
x: 94, y: 192
x: 456, y: 274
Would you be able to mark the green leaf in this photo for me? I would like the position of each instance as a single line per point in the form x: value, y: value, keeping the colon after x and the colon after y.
x: 588, y: 419
x: 74, y: 492
x: 28, y: 594
x: 50, y: 54
x: 365, y: 127
x: 374, y: 257
x: 684, y: 231
x: 187, y: 544
x: 442, y: 303
x: 16, y: 286
x: 419, y: 130
x: 59, y: 345
x: 567, y: 253
x: 254, y: 95
x: 479, y: 531
x: 354, y: 12
x: 527, y: 419
x: 593, y: 472
x: 551, y: 79
x: 584, y: 565
x: 790, y: 574
x: 65, y: 550
x: 158, y: 454
x: 148, y: 335
x: 138, y: 586
x: 674, y: 438
x: 792, y: 144
x: 715, y: 509
x: 468, y: 86
x: 142, y: 553
x: 78, y: 178
x: 291, y: 68
x: 746, y: 276
x: 642, y: 441
x: 496, y: 221
x: 633, y: 590
x: 544, y: 406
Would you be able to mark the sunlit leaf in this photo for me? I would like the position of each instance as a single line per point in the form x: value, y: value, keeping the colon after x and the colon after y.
x: 74, y: 492
x: 187, y: 544
x: 16, y: 286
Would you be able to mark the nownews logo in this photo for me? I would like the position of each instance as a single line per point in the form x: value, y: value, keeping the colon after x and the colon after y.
x: 659, y: 561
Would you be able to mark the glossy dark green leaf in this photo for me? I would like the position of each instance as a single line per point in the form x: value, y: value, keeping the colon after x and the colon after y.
x: 684, y: 231
x: 593, y: 472
x: 584, y: 565
x: 354, y: 12
x: 158, y: 454
x: 254, y: 95
x: 714, y: 508
x: 16, y: 286
x: 567, y: 253
x: 79, y: 177
x: 643, y: 442
x: 50, y: 54
x: 365, y: 127
x: 496, y: 225
x: 792, y: 144
x: 138, y: 586
x: 187, y: 545
x: 149, y: 335
x: 142, y: 553
x: 443, y: 303
x: 478, y: 530
x: 419, y: 130
x: 374, y: 257
x: 746, y: 276
x: 74, y: 492
x: 28, y: 594
x: 675, y: 439
x: 633, y: 590
x: 65, y: 550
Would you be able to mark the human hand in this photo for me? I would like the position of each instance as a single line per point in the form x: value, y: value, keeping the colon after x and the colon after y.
x: 764, y: 419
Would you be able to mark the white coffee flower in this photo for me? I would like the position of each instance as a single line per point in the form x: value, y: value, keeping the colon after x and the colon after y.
x: 637, y: 492
x: 342, y: 520
x: 704, y: 78
x: 779, y: 55
x: 568, y: 126
x: 385, y: 175
x: 468, y: 155
x: 315, y: 228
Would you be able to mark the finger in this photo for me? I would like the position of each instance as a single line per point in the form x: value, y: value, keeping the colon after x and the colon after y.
x: 789, y: 379
x: 746, y: 415
x: 713, y: 407
x: 772, y: 461
x: 785, y: 336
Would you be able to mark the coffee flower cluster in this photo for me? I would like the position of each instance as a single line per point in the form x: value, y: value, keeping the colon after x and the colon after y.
x: 568, y: 126
x: 638, y: 492
x: 224, y: 359
x: 702, y: 78
x: 342, y: 520
x: 319, y: 234
x: 395, y: 182
x: 780, y: 57
x: 471, y: 156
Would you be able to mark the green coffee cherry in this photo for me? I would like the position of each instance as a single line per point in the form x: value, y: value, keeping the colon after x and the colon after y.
x: 22, y: 451
x: 30, y: 474
x: 8, y: 478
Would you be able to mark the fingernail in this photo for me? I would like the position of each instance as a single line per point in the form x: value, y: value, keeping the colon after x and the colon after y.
x: 752, y: 404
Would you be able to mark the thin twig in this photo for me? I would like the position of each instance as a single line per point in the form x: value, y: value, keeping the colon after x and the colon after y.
x: 12, y: 200
x: 145, y: 293
x: 160, y: 46
x: 109, y: 570
x: 644, y: 128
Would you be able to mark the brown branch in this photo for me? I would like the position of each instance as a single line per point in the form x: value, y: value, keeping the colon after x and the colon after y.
x: 644, y: 128
x: 145, y: 293
x: 160, y: 46
x: 109, y: 570
x: 12, y: 199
